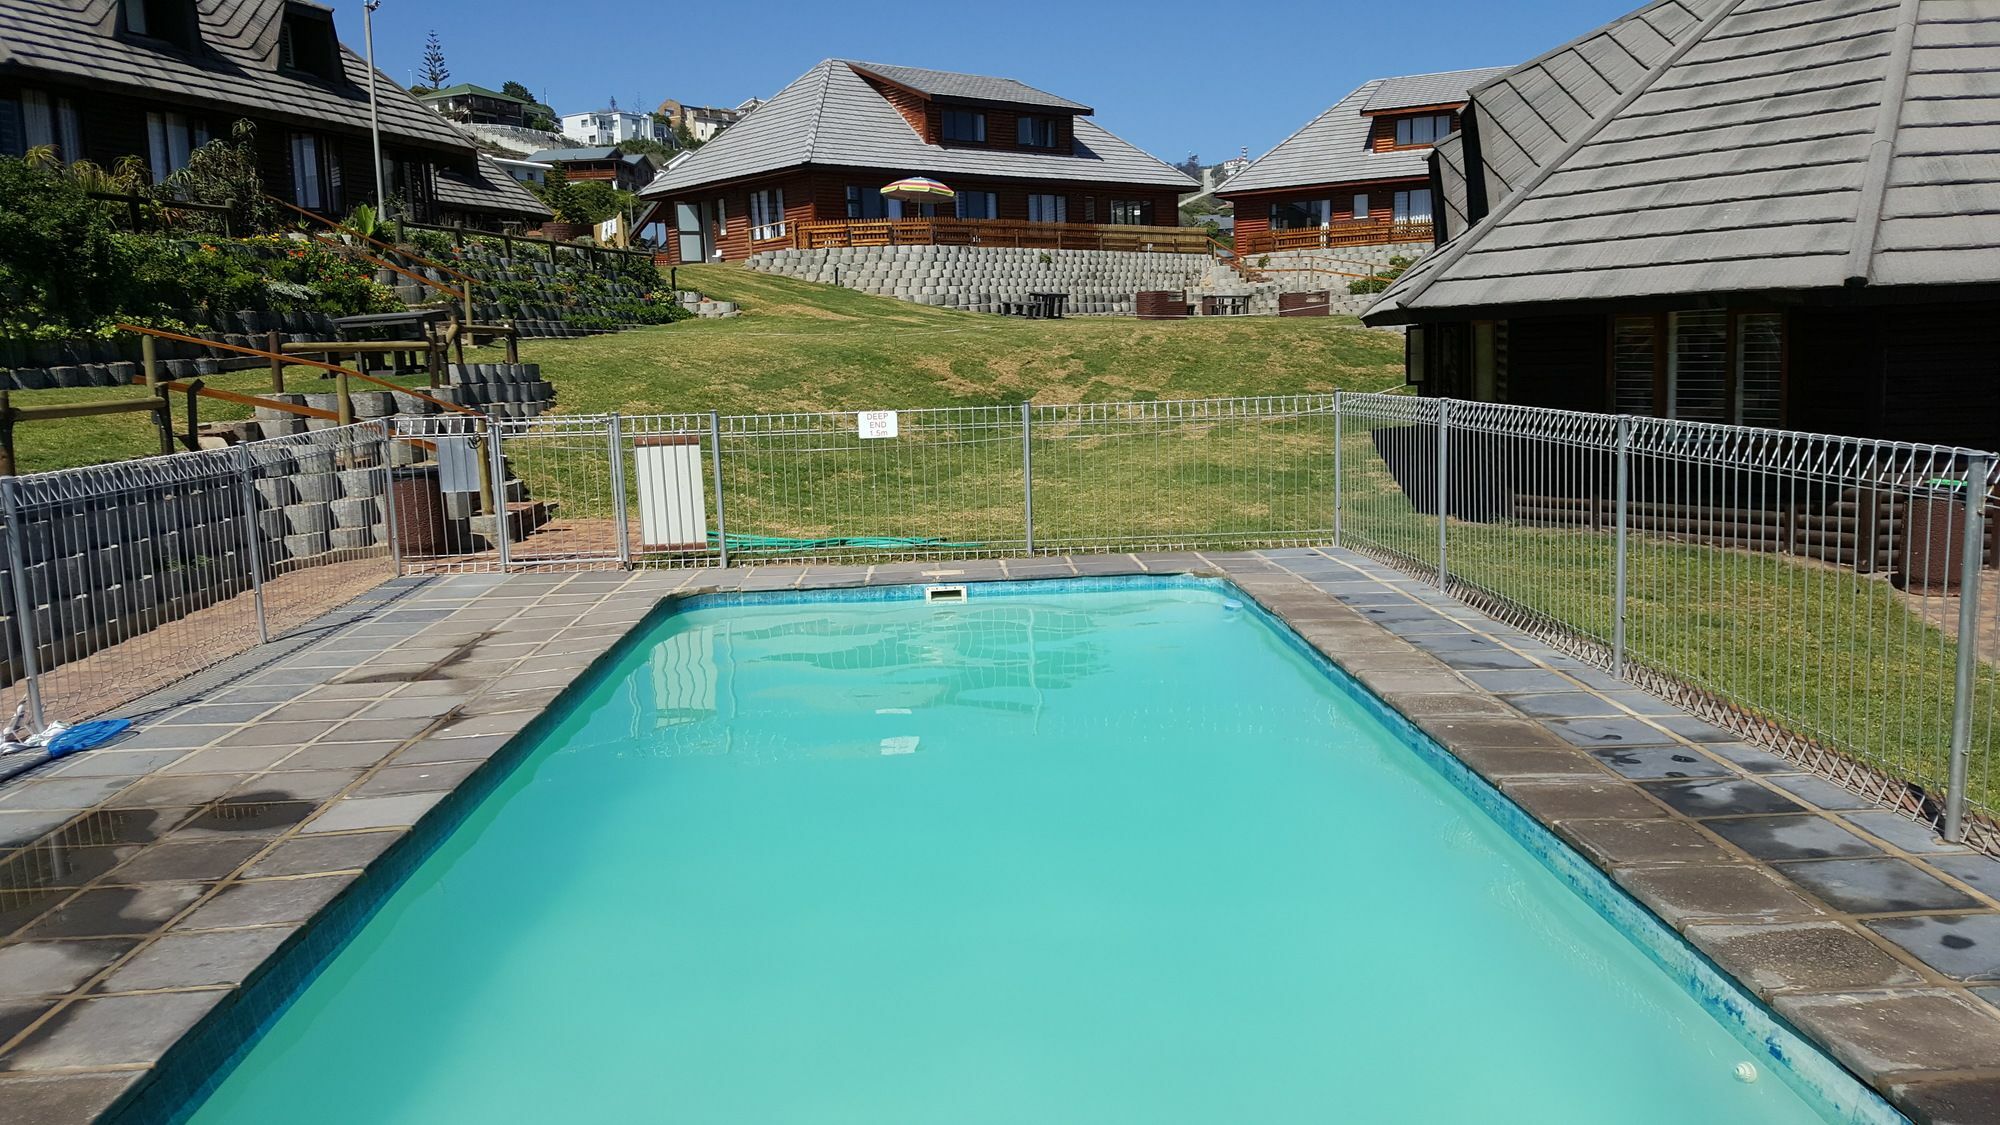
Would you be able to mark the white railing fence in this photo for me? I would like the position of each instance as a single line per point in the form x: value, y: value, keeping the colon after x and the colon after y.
x: 1820, y: 596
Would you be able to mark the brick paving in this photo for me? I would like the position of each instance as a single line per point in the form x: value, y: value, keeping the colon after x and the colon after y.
x: 146, y: 888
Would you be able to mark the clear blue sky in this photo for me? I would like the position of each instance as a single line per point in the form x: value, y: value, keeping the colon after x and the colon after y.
x: 1173, y: 79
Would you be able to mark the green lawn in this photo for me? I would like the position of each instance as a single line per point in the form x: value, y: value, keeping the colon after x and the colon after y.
x: 801, y: 346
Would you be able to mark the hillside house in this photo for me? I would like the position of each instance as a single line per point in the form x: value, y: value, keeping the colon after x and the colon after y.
x: 1356, y: 175
x: 1767, y: 212
x: 156, y: 79
x: 807, y: 168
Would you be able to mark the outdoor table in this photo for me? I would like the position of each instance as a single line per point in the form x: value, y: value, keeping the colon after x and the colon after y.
x: 1051, y: 305
x: 410, y: 324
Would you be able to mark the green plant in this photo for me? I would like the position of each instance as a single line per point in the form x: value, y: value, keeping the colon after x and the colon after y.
x: 561, y: 197
x: 224, y: 172
x: 1382, y: 277
x: 363, y: 220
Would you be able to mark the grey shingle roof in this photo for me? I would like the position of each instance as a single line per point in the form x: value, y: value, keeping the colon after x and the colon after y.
x: 491, y: 189
x: 1772, y: 144
x: 560, y: 155
x: 236, y: 69
x: 830, y: 116
x: 971, y: 87
x: 1333, y: 148
x: 1427, y: 89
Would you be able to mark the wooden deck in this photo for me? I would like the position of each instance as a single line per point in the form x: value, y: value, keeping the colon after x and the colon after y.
x: 1336, y: 234
x: 983, y: 232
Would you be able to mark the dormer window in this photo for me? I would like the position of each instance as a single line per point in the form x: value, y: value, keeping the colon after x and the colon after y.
x: 307, y: 44
x: 1428, y: 129
x: 964, y: 125
x: 1035, y: 132
x: 169, y: 21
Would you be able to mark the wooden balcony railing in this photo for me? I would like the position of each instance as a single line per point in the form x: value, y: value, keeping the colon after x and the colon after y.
x: 985, y: 232
x: 1336, y: 234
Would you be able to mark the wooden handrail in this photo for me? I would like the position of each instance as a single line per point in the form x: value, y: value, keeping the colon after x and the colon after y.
x: 345, y: 229
x: 335, y: 368
x: 1369, y: 233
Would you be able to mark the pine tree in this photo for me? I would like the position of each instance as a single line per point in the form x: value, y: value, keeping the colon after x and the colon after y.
x: 434, y: 73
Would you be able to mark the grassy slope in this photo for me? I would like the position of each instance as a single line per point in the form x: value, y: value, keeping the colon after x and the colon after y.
x: 801, y: 346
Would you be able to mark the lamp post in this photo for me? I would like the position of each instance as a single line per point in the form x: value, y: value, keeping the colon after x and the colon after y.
x: 374, y: 121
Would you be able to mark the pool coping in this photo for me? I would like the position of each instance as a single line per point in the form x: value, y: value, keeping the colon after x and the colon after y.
x: 175, y: 965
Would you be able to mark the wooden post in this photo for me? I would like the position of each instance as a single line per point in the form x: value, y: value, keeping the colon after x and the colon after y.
x: 193, y: 426
x: 6, y: 436
x: 342, y: 403
x: 434, y: 354
x: 149, y: 357
x: 513, y: 345
x: 274, y: 342
x: 468, y: 305
x: 163, y: 418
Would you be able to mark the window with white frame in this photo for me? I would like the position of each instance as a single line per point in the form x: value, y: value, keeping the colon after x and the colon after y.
x: 315, y: 174
x: 36, y: 119
x: 767, y: 214
x: 1427, y: 129
x: 1048, y: 209
x: 1413, y: 206
x: 170, y: 137
x: 1705, y: 365
x: 978, y: 205
x: 1131, y: 213
x: 1358, y: 208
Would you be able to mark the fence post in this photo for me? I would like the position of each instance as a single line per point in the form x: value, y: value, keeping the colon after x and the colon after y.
x: 503, y: 531
x: 254, y: 536
x: 1443, y: 489
x: 389, y: 530
x: 715, y: 464
x: 617, y: 439
x: 1337, y: 406
x: 1971, y: 559
x: 1623, y: 485
x: 1027, y: 478
x: 24, y: 605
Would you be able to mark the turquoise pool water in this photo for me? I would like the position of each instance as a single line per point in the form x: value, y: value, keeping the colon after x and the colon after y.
x: 1119, y: 856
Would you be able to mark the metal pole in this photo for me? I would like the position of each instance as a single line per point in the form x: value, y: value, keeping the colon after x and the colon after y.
x: 503, y: 532
x: 618, y: 493
x: 389, y: 497
x: 1971, y: 559
x: 1623, y: 485
x: 374, y: 119
x: 24, y: 606
x: 715, y: 463
x: 1027, y: 479
x: 1443, y: 465
x: 254, y: 535
x: 1337, y: 405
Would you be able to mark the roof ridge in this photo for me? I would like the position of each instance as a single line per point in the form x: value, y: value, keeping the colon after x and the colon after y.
x: 819, y: 107
x: 1368, y: 86
x: 1875, y: 181
x: 1449, y: 254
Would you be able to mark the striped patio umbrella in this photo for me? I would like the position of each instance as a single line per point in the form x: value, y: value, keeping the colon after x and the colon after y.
x: 919, y: 189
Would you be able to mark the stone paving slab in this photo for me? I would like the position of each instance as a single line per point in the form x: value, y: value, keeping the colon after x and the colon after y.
x: 142, y: 886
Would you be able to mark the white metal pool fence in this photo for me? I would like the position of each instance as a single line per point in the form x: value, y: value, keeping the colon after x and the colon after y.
x: 1807, y: 592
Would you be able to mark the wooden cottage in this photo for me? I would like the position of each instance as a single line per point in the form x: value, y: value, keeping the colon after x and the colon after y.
x: 106, y: 79
x: 1769, y: 212
x: 806, y: 169
x: 1356, y: 175
x: 626, y: 171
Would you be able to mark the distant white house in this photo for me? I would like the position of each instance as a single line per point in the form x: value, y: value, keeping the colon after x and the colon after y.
x: 526, y: 171
x: 611, y: 126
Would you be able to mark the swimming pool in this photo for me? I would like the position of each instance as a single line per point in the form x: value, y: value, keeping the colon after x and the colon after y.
x: 1128, y: 854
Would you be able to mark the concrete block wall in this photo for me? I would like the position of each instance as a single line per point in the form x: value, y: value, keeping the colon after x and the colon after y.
x: 1099, y: 282
x: 113, y: 553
